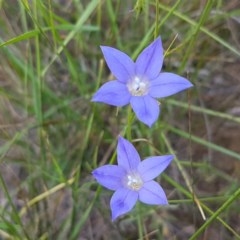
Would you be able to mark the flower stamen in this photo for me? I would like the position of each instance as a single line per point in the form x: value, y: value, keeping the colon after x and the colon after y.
x: 134, y: 182
x: 138, y: 86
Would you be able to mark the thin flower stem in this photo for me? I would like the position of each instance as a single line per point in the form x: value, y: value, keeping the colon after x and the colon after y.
x: 139, y: 223
x: 130, y: 118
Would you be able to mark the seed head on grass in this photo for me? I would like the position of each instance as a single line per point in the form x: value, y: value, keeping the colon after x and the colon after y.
x: 139, y: 83
x: 132, y: 179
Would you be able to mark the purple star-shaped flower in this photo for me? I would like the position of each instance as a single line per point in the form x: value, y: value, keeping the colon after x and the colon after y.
x: 132, y: 179
x: 139, y: 83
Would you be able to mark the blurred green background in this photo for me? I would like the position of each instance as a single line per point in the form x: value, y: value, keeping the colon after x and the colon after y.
x: 52, y: 136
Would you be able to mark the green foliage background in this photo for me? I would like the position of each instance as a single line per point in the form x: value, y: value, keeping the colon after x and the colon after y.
x: 52, y: 136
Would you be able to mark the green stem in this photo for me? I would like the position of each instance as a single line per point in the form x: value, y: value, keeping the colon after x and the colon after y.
x: 16, y: 217
x: 205, y: 143
x: 139, y: 223
x: 180, y: 188
x: 209, y: 112
x: 214, y: 216
x: 204, y: 16
x: 130, y: 118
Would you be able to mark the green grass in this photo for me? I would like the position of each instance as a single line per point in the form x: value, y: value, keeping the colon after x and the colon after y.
x: 53, y: 136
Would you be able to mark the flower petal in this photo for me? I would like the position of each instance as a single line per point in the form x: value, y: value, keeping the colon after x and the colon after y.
x: 127, y: 156
x: 153, y: 166
x: 110, y: 176
x: 113, y: 93
x: 146, y: 108
x: 149, y: 62
x: 122, y: 201
x: 152, y: 193
x: 120, y: 64
x: 167, y: 84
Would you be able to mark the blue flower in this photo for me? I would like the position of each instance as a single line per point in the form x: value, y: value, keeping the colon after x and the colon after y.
x: 139, y: 83
x: 132, y: 179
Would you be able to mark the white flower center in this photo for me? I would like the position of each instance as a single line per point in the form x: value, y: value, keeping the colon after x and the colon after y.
x: 138, y: 86
x: 134, y: 181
